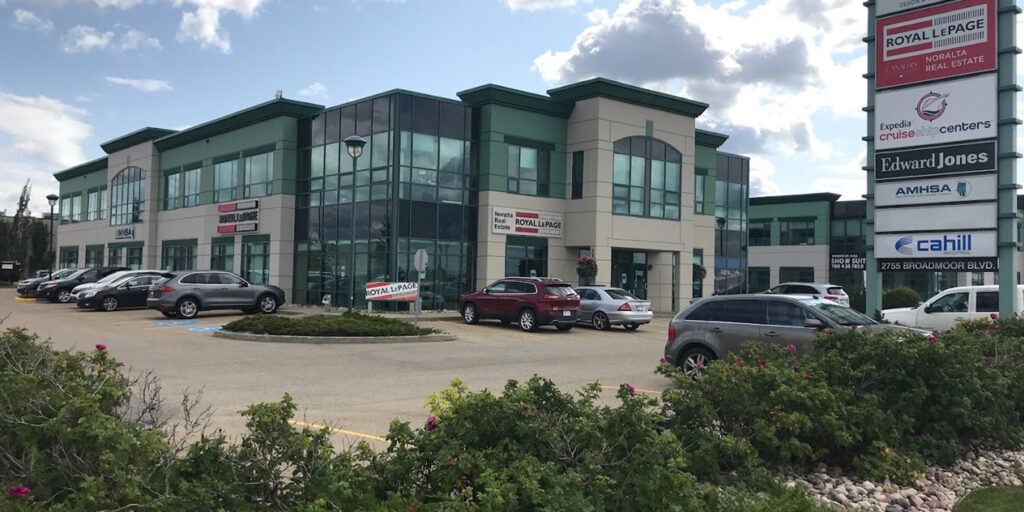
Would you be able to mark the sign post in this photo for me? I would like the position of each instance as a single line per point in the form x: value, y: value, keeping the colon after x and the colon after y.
x: 420, y: 263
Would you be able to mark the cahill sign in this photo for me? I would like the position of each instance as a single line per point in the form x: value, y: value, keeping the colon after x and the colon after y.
x: 946, y: 41
x: 950, y: 111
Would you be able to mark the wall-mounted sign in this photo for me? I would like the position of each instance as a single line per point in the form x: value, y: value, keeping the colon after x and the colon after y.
x: 937, y: 113
x: 918, y: 218
x: 952, y: 244
x: 884, y: 7
x: 979, y: 187
x: 513, y: 221
x: 126, y: 233
x: 847, y: 262
x: 945, y: 41
x: 392, y: 291
x: 939, y: 265
x: 238, y: 217
x: 956, y: 158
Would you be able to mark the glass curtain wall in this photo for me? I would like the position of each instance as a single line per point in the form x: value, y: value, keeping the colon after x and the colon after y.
x: 731, y: 198
x: 128, y: 196
x: 412, y: 188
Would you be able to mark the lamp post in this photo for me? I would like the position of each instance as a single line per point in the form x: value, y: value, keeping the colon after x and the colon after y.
x: 52, y: 198
x: 720, y: 251
x: 354, y: 144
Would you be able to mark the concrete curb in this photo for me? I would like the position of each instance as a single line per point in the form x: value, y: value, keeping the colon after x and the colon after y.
x: 332, y: 340
x: 25, y: 299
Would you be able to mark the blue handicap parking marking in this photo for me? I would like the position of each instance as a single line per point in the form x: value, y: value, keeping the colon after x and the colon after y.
x: 167, y: 323
x: 204, y: 329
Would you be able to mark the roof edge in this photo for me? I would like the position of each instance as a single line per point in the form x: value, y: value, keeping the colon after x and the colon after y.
x: 81, y: 169
x: 795, y: 198
x: 138, y: 136
x: 630, y: 94
x: 277, y: 107
x: 493, y: 93
x: 709, y: 138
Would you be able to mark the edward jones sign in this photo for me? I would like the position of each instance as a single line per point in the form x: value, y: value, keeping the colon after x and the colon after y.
x: 940, y: 42
x: 950, y: 111
x: 956, y: 158
x: 513, y: 221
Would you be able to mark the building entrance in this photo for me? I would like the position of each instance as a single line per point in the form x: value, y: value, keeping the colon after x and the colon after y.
x: 629, y: 272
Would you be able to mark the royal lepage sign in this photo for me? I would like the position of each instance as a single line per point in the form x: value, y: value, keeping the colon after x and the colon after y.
x: 514, y: 221
x: 946, y: 41
x: 392, y: 291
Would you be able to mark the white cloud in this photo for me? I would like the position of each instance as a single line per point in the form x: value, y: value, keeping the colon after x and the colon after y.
x: 133, y: 39
x: 203, y: 24
x: 29, y: 20
x: 597, y: 16
x: 142, y: 84
x: 84, y: 39
x: 120, y: 4
x: 316, y: 91
x: 536, y: 5
x: 762, y: 177
x: 43, y: 129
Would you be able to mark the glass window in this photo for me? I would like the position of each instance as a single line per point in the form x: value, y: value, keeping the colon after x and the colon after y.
x: 229, y: 279
x: 65, y: 210
x: 646, y: 175
x: 745, y: 311
x: 76, y: 208
x: 133, y: 260
x: 128, y: 196
x: 698, y: 284
x: 259, y: 174
x: 93, y: 256
x: 424, y: 151
x: 103, y: 202
x: 709, y: 312
x: 786, y: 313
x: 178, y: 257
x: 256, y: 262
x: 698, y: 193
x: 796, y: 274
x: 222, y: 256
x: 528, y: 171
x: 172, y: 191
x: 577, y: 175
x: 987, y: 302
x: 759, y: 279
x: 225, y: 179
x: 114, y: 256
x: 951, y: 303
x: 796, y: 232
x: 191, y: 185
x: 93, y: 205
x: 526, y: 256
x: 68, y: 257
x: 760, y: 232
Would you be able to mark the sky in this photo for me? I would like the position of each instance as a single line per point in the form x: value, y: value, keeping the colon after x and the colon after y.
x: 783, y: 77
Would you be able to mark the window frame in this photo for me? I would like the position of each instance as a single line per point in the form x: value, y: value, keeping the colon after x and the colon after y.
x: 541, y: 182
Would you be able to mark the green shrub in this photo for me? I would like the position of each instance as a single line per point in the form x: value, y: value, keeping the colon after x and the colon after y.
x: 6, y: 284
x: 858, y: 299
x: 900, y: 298
x: 345, y: 324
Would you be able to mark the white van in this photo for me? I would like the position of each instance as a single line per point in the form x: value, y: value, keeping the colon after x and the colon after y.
x: 948, y: 307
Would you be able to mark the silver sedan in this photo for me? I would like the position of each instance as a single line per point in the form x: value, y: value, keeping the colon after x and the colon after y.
x: 605, y: 306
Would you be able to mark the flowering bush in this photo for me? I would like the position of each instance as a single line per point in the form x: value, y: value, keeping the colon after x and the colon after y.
x: 586, y: 267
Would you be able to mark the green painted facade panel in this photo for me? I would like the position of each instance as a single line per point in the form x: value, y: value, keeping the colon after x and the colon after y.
x: 499, y: 121
x: 820, y: 211
x: 83, y: 183
x: 707, y: 158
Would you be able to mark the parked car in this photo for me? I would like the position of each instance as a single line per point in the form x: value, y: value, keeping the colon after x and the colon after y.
x: 832, y: 292
x: 116, y: 276
x: 27, y: 287
x: 130, y: 291
x: 949, y: 307
x: 60, y: 290
x: 185, y: 294
x: 528, y: 301
x: 716, y: 326
x: 605, y: 306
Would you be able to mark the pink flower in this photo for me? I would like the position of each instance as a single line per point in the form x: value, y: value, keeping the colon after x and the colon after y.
x: 761, y: 362
x: 934, y: 331
x: 632, y: 390
x: 931, y: 338
x: 990, y: 360
x: 809, y: 377
x: 854, y: 327
x: 825, y: 332
x: 984, y: 334
x: 662, y: 360
x: 739, y: 359
x: 993, y: 316
x: 101, y: 347
x: 18, y: 491
x: 794, y: 367
x: 431, y: 422
x: 791, y: 348
x: 700, y: 365
x: 735, y: 366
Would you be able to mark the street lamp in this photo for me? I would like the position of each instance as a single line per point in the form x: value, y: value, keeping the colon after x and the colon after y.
x: 354, y: 144
x: 720, y: 251
x: 52, y: 198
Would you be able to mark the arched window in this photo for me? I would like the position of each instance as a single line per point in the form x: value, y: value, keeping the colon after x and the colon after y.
x: 646, y: 178
x: 127, y: 196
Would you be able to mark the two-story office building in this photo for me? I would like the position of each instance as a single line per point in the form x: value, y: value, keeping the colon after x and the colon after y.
x: 499, y: 182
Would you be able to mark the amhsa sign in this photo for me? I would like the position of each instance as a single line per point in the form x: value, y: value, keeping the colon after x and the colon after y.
x: 945, y: 41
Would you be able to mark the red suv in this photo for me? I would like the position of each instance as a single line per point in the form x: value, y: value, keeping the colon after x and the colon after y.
x: 530, y: 301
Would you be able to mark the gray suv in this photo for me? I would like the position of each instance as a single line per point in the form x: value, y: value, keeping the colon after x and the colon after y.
x: 185, y: 294
x: 716, y: 326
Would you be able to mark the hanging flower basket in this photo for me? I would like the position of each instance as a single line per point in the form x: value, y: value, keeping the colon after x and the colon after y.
x: 699, y: 272
x: 586, y: 268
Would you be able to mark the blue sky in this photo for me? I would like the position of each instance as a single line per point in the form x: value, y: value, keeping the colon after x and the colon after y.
x: 782, y: 76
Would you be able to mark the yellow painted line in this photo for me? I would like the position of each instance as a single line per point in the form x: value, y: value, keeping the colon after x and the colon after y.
x: 24, y: 299
x: 337, y: 430
x: 635, y: 388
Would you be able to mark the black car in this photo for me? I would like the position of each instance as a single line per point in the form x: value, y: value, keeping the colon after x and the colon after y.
x: 27, y: 287
x: 129, y: 292
x: 60, y: 289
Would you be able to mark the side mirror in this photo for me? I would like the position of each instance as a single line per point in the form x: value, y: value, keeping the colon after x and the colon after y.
x: 243, y: 284
x: 486, y: 290
x: 814, y: 323
x: 125, y: 287
x: 928, y: 309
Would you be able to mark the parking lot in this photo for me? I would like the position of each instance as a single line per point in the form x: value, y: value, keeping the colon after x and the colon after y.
x: 357, y: 388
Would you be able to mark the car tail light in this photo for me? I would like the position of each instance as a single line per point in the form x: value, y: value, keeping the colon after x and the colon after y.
x: 552, y: 297
x: 625, y: 307
x: 165, y: 289
x: 671, y: 332
x: 831, y: 297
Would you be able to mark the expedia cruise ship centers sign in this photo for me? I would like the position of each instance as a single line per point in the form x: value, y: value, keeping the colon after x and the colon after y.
x: 952, y: 111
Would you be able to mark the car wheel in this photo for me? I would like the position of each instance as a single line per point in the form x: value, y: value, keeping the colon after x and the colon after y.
x: 169, y: 314
x: 632, y: 326
x: 564, y: 327
x: 110, y: 303
x: 188, y: 308
x: 64, y: 296
x: 693, y: 360
x: 528, y: 320
x: 267, y: 304
x: 600, y: 321
x: 470, y: 314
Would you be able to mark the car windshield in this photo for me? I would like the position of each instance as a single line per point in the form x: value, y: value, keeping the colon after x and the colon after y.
x: 116, y: 276
x: 562, y: 290
x: 73, y: 274
x: 841, y: 315
x: 619, y: 294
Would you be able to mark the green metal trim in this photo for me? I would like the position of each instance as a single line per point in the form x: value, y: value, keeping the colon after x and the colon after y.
x: 710, y: 139
x: 133, y: 138
x: 795, y: 198
x: 405, y: 92
x: 99, y: 164
x: 528, y: 143
x: 259, y: 150
x: 628, y: 93
x: 240, y: 119
x: 734, y: 155
x: 222, y: 240
x: 491, y: 93
x: 248, y: 239
x: 94, y: 247
x: 124, y: 245
x: 185, y: 242
x: 68, y: 248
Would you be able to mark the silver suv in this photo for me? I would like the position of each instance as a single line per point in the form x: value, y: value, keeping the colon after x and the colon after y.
x: 185, y: 294
x: 716, y: 326
x: 832, y: 292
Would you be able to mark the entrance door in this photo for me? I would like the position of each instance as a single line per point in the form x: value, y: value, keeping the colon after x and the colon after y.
x: 629, y: 272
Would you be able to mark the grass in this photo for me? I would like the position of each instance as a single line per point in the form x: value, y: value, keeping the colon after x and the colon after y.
x: 993, y: 499
x: 346, y: 324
